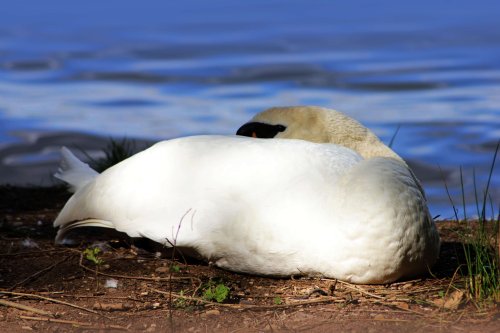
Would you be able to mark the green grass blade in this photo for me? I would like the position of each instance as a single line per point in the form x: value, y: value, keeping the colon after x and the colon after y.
x: 492, y: 167
x: 394, y: 136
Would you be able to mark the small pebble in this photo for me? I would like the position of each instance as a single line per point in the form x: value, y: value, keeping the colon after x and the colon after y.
x: 246, y: 302
x: 29, y: 244
x: 111, y: 283
x: 101, y: 245
x: 68, y: 241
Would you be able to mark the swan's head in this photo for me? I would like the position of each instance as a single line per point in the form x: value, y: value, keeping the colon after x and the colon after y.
x: 316, y: 124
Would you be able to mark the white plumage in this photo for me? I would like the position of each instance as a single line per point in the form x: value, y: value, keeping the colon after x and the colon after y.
x: 268, y: 207
x: 73, y: 171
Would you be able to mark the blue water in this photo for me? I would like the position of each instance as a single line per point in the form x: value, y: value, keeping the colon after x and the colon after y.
x: 76, y: 74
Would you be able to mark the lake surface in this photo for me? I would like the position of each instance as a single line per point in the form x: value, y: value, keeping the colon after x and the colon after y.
x: 77, y: 74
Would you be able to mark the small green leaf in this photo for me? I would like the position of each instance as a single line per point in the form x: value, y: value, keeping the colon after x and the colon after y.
x: 218, y: 293
x: 175, y: 268
x: 91, y: 254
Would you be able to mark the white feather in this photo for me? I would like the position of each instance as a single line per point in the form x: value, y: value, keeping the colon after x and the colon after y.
x: 73, y: 171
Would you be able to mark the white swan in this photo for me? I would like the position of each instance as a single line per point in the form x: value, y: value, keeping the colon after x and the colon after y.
x: 352, y: 211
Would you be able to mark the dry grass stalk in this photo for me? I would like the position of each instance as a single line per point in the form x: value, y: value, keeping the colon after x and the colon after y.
x: 25, y: 308
x: 75, y: 323
x: 48, y: 299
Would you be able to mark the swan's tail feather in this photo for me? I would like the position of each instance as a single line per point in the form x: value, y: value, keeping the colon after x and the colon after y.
x: 73, y: 171
x: 77, y: 224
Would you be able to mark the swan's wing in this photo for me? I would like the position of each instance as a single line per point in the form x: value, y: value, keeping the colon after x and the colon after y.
x: 133, y: 195
x: 206, y: 184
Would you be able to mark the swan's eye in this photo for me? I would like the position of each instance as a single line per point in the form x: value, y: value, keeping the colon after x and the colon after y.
x: 260, y: 130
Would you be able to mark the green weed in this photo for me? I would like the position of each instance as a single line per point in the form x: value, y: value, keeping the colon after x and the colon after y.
x: 215, y: 292
x: 92, y: 254
x: 175, y: 268
x: 181, y: 302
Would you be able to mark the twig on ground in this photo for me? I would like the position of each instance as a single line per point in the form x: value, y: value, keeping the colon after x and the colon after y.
x: 383, y: 300
x: 324, y: 299
x: 394, y: 305
x: 113, y: 306
x: 393, y: 284
x: 25, y: 308
x: 459, y: 318
x: 37, y: 274
x: 359, y: 289
x: 397, y: 320
x: 75, y: 323
x: 422, y: 290
x: 51, y: 292
x: 107, y: 297
x: 50, y: 300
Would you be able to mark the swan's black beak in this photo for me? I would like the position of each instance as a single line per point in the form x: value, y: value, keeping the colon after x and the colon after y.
x: 260, y: 130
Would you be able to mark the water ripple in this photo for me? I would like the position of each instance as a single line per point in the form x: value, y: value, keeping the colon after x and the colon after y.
x: 163, y: 70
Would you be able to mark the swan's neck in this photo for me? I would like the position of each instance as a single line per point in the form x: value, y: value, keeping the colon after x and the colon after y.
x: 348, y: 132
x: 371, y: 147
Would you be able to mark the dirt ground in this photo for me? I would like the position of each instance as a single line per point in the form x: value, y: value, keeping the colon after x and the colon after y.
x: 51, y: 288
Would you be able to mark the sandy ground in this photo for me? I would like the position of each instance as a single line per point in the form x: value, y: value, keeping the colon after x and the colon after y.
x: 51, y: 288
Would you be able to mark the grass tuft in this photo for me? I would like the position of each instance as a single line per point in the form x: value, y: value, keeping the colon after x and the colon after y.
x: 114, y: 152
x: 481, y: 244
